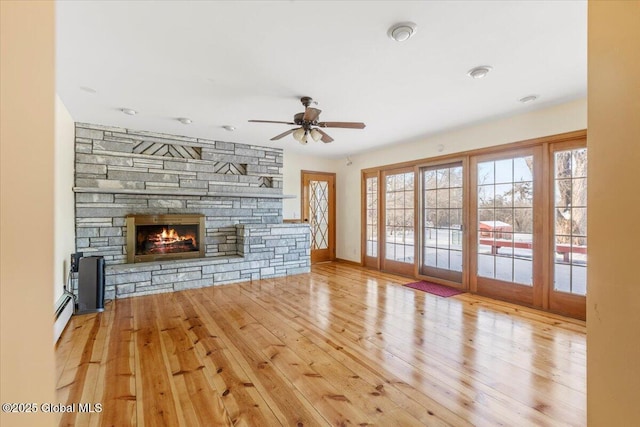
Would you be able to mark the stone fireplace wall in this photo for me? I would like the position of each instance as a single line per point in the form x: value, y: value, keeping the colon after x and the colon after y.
x: 122, y: 171
x: 237, y: 187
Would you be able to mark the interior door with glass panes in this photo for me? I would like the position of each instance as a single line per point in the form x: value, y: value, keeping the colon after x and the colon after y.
x: 442, y: 222
x: 569, y: 253
x: 319, y: 210
x: 398, y: 219
x: 506, y: 258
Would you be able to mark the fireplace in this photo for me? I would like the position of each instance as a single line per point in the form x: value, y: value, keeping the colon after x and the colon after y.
x: 164, y: 237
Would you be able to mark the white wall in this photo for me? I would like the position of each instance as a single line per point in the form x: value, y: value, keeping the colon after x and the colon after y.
x: 294, y: 163
x: 64, y: 229
x: 558, y: 119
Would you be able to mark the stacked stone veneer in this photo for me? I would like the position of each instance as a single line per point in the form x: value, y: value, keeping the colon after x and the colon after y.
x: 122, y: 171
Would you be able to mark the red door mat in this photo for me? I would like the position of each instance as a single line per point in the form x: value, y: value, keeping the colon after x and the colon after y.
x: 434, y: 288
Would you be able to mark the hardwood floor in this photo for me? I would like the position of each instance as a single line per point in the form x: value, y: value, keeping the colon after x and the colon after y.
x: 340, y: 346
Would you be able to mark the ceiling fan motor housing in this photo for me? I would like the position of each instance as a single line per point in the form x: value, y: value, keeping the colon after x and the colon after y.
x: 307, y: 100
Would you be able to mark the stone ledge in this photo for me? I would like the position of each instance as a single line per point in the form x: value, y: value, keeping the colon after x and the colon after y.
x: 181, y: 192
x: 169, y: 264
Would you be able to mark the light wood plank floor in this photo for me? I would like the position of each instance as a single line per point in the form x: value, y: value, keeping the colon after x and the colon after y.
x: 340, y: 346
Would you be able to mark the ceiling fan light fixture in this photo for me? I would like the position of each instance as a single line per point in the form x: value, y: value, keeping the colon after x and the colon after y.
x: 299, y: 134
x: 316, y: 135
x: 479, y: 72
x: 309, y: 124
x: 403, y: 31
x: 303, y: 137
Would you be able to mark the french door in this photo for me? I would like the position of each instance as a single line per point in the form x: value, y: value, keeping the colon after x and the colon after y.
x: 569, y: 229
x: 319, y: 210
x: 506, y: 230
x: 506, y: 222
x: 442, y: 222
x: 398, y: 221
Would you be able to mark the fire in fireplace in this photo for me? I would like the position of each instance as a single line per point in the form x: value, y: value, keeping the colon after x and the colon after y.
x: 155, y: 237
x: 152, y: 239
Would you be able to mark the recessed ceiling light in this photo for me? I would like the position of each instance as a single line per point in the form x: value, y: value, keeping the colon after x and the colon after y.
x: 229, y: 128
x: 528, y: 98
x: 129, y: 111
x: 402, y: 31
x: 88, y: 89
x: 479, y: 72
x: 185, y: 120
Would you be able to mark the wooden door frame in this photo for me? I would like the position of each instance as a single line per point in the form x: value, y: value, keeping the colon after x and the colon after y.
x: 332, y: 220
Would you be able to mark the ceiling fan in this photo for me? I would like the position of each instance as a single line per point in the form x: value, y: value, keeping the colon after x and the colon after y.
x: 309, y: 124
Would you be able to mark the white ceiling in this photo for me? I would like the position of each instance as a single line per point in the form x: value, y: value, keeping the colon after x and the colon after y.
x: 225, y: 62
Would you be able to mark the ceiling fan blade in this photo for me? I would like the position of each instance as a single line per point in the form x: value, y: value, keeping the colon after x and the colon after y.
x: 311, y: 114
x: 349, y: 125
x: 325, y: 138
x: 283, y: 134
x: 271, y: 121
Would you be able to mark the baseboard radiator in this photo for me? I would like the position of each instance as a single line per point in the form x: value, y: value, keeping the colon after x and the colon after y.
x: 62, y: 315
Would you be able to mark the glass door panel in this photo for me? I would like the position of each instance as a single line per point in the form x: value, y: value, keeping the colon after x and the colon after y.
x: 371, y: 225
x: 399, y: 222
x: 505, y: 250
x: 505, y: 220
x: 569, y: 231
x: 570, y: 226
x: 319, y: 214
x: 372, y: 217
x: 442, y: 235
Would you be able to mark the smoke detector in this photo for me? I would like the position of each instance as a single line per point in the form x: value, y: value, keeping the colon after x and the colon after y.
x: 403, y: 31
x: 528, y: 99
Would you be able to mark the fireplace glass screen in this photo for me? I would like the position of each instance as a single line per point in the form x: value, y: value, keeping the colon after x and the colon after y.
x: 165, y: 237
